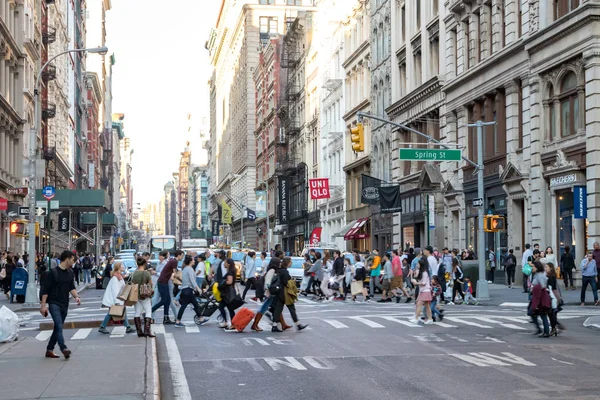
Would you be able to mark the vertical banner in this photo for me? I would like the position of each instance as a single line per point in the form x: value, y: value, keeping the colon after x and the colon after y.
x: 63, y: 221
x: 284, y: 200
x: 319, y: 188
x: 216, y: 224
x: 431, y: 210
x: 315, y: 236
x: 389, y: 199
x: 261, y: 203
x: 580, y: 202
x: 226, y: 217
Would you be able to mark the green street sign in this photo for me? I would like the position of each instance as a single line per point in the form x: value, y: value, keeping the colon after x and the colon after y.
x: 431, y: 154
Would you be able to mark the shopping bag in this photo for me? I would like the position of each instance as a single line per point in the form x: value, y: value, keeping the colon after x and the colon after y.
x: 133, y: 295
x: 9, y: 325
x: 124, y: 294
x: 116, y: 310
x: 356, y: 288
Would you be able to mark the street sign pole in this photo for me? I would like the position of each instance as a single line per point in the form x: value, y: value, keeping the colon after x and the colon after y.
x: 49, y: 236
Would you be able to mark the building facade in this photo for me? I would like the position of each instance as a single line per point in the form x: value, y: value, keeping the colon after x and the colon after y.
x: 357, y: 96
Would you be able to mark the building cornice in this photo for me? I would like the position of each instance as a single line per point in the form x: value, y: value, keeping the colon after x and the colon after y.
x: 356, y: 53
x: 416, y: 96
x: 360, y: 106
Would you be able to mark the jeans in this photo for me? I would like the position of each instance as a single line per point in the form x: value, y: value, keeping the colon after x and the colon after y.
x: 165, y: 298
x: 200, y: 281
x: 87, y: 276
x: 108, y: 317
x: 534, y: 319
x: 525, y: 283
x: 187, y: 297
x: 434, y: 311
x: 585, y: 280
x: 490, y: 274
x: 223, y: 306
x: 265, y: 306
x: 568, y: 277
x: 510, y: 275
x: 58, y: 314
x: 278, y: 305
x: 374, y: 281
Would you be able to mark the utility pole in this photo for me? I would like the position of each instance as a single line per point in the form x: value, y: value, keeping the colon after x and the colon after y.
x: 483, y: 291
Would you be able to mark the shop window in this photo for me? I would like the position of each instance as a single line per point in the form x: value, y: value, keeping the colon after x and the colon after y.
x: 472, y: 234
x: 565, y: 221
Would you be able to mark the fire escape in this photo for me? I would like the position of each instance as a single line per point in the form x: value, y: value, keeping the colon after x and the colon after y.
x: 48, y: 108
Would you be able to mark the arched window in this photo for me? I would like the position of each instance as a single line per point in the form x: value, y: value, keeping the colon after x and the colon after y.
x: 376, y: 158
x: 387, y: 167
x: 376, y: 47
x: 569, y: 105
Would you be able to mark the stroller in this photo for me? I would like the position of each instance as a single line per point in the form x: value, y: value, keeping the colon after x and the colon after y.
x: 207, y: 305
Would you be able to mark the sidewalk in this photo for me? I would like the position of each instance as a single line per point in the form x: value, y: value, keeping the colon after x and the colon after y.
x: 120, y: 369
x: 502, y: 294
x: 16, y: 307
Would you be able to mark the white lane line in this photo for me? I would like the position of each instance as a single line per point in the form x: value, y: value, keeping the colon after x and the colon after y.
x: 158, y: 328
x: 265, y: 326
x: 444, y: 325
x: 491, y: 321
x: 521, y: 320
x: 118, y: 331
x: 402, y: 322
x: 367, y: 322
x: 81, y: 334
x: 463, y: 321
x: 192, y: 329
x: 336, y: 324
x: 43, y: 336
x: 514, y: 304
x: 307, y: 301
x: 181, y: 390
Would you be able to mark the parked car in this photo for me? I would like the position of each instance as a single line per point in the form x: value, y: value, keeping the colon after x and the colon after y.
x: 296, y: 271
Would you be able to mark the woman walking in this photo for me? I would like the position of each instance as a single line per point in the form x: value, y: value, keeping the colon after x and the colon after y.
x: 144, y: 304
x: 110, y: 299
x: 250, y: 270
x: 348, y: 277
x: 287, y: 294
x: 9, y: 267
x: 540, y: 304
x: 186, y: 289
x: 424, y: 300
x: 227, y: 283
x: 457, y: 279
x: 327, y: 268
x: 360, y: 274
x: 272, y: 269
x: 555, y: 296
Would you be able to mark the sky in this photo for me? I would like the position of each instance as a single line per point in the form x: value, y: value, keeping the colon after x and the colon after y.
x: 160, y: 76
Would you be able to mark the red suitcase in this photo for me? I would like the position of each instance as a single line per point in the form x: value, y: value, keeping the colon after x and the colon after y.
x: 242, y: 319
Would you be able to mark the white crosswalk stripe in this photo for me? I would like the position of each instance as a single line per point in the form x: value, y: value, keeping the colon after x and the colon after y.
x: 192, y: 329
x: 491, y: 321
x: 43, y: 336
x: 118, y: 331
x: 467, y: 322
x: 81, y: 334
x: 401, y: 321
x: 336, y: 323
x: 367, y: 322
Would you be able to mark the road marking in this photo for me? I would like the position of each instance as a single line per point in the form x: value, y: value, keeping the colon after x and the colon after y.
x: 43, y: 336
x: 248, y: 341
x: 307, y: 301
x: 444, y: 325
x: 157, y: 328
x: 521, y: 320
x: 118, y: 331
x: 336, y: 324
x: 560, y: 361
x: 276, y: 363
x: 192, y: 329
x: 487, y: 359
x: 461, y: 340
x: 491, y: 321
x: 589, y: 323
x: 462, y: 321
x: 81, y: 334
x: 428, y: 337
x: 514, y: 305
x: 181, y: 390
x: 367, y: 322
x: 402, y: 322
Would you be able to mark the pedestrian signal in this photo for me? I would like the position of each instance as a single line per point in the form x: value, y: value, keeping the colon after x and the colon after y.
x: 18, y: 228
x: 493, y: 223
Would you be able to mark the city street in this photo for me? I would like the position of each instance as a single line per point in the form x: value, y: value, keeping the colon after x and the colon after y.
x: 358, y: 350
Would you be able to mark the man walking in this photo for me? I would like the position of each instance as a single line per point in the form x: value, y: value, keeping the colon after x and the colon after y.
x: 87, y: 268
x: 375, y: 273
x: 588, y: 277
x: 163, y: 285
x: 57, y: 284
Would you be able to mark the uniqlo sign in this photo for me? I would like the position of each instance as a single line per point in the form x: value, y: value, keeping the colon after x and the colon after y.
x: 319, y: 188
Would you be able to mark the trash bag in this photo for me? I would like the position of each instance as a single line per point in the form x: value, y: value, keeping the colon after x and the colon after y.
x: 9, y: 325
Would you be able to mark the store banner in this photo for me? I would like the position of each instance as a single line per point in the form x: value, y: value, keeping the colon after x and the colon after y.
x: 63, y: 221
x: 370, y: 190
x: 216, y: 224
x: 389, y: 199
x: 315, y: 236
x: 431, y: 210
x: 284, y: 200
x: 3, y: 204
x: 319, y: 188
x: 226, y: 216
x: 580, y: 202
x: 261, y: 203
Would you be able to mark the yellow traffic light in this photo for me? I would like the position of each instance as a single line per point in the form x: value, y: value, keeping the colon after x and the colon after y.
x: 18, y: 228
x: 357, y: 137
x: 487, y: 226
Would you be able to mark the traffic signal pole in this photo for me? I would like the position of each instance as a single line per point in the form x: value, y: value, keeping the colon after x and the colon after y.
x: 483, y: 290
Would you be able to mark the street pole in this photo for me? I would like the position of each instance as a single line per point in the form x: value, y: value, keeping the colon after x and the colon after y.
x: 242, y: 222
x: 268, y: 222
x: 31, y: 296
x: 428, y: 234
x: 49, y: 235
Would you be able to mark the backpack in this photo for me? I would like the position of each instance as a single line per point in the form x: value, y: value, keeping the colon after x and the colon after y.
x: 87, y: 263
x: 275, y: 286
x: 360, y: 274
x: 509, y: 262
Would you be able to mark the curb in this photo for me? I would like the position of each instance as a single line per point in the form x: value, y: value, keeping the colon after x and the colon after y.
x: 48, y: 326
x: 152, y: 376
x: 37, y: 308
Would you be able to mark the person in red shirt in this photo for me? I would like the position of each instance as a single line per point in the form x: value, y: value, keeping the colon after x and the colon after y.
x: 163, y: 285
x: 398, y: 280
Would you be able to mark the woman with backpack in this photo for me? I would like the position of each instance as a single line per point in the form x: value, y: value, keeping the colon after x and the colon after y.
x: 284, y: 292
x: 188, y: 288
x: 360, y: 274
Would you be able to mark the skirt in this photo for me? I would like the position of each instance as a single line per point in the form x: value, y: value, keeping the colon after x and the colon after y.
x: 424, y: 296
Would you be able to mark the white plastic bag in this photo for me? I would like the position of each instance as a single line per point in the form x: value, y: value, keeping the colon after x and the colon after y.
x: 9, y: 325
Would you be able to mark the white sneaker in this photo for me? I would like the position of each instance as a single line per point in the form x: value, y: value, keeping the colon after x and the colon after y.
x: 428, y: 322
x: 413, y: 321
x: 450, y: 303
x: 489, y: 281
x: 223, y: 324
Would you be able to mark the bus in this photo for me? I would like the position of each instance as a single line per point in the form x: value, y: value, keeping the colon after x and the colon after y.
x: 194, y: 244
x: 161, y: 243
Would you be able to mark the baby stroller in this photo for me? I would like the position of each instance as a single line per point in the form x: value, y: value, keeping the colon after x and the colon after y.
x: 207, y: 305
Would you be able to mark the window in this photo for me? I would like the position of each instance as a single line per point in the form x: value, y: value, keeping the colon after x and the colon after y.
x: 563, y: 7
x: 466, y: 44
x: 418, y: 70
x: 434, y: 54
x: 265, y: 2
x: 294, y: 2
x: 487, y: 50
x: 403, y: 23
x: 418, y: 13
x: 376, y: 47
x: 268, y: 26
x: 569, y: 105
x: 454, y: 36
x: 520, y: 113
x: 502, y: 23
x: 436, y: 10
x: 519, y: 20
x: 403, y: 88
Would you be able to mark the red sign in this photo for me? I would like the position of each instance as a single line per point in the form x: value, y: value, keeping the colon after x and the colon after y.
x: 3, y: 204
x: 319, y: 188
x: 315, y: 236
x: 17, y: 191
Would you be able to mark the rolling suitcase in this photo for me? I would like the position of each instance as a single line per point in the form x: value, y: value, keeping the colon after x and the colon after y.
x: 242, y: 319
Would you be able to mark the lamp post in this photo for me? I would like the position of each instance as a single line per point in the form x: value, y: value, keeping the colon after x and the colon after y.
x: 31, y: 294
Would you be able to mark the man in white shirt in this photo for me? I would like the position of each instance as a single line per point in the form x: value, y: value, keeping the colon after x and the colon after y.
x: 433, y: 263
x: 526, y: 255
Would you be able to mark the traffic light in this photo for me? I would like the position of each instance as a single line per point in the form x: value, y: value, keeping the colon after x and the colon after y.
x: 357, y: 137
x: 493, y: 223
x: 18, y: 228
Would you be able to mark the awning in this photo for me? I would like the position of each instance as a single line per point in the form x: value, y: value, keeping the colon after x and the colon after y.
x: 353, y: 232
x: 343, y: 232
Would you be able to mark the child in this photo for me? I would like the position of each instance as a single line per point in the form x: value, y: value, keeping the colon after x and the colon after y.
x: 436, y: 290
x: 469, y: 292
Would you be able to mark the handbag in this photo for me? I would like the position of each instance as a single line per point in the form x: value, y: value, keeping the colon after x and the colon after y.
x: 3, y: 273
x: 356, y: 288
x: 124, y: 293
x: 133, y: 294
x: 146, y: 291
x: 117, y: 312
x: 233, y: 298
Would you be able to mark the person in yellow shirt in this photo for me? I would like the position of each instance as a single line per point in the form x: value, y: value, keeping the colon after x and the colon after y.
x: 375, y: 273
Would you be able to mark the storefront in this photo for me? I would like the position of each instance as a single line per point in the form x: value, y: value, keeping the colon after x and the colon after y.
x: 494, y: 203
x: 358, y: 235
x: 382, y: 230
x: 413, y: 232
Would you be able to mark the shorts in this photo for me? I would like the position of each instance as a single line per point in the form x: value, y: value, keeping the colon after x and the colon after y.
x: 386, y: 284
x: 397, y: 282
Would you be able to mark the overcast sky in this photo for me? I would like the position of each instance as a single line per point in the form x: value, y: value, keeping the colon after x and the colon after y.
x: 160, y: 77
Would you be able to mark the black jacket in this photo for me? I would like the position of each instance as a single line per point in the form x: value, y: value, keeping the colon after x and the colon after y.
x: 338, y: 266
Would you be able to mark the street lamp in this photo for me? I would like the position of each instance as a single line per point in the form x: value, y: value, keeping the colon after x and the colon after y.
x: 31, y: 294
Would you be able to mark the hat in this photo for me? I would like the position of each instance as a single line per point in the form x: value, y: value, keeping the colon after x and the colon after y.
x: 429, y: 249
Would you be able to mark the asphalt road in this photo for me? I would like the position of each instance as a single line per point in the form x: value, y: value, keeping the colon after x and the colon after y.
x: 359, y: 351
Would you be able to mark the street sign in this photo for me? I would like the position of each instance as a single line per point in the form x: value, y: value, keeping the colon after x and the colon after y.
x: 54, y: 205
x: 49, y: 192
x: 40, y: 211
x: 41, y: 203
x: 23, y: 211
x: 478, y: 202
x: 431, y: 154
x: 17, y: 191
